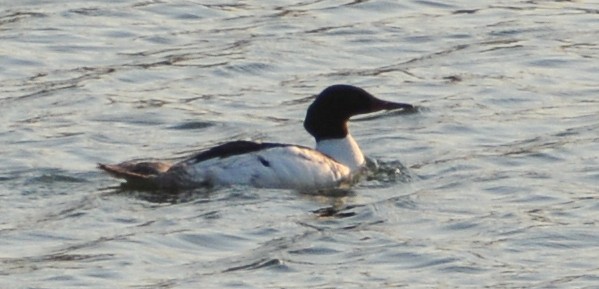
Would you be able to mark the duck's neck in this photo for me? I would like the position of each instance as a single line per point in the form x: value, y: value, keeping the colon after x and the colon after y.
x: 344, y: 150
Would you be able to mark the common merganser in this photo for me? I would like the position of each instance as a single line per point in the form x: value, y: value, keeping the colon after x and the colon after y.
x: 337, y: 159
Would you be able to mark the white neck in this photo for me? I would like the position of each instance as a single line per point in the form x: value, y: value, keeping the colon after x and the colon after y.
x: 344, y: 150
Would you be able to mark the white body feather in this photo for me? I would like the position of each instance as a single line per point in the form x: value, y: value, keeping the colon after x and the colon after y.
x: 288, y: 167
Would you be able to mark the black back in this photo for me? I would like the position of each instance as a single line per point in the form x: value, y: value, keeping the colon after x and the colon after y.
x: 233, y: 148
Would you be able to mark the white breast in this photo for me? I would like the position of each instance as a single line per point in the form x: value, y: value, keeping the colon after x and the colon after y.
x: 287, y: 167
x: 344, y: 150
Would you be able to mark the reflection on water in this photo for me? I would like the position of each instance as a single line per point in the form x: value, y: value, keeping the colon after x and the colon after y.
x: 491, y: 183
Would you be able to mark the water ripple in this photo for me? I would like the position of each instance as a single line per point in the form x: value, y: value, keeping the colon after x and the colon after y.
x: 490, y: 183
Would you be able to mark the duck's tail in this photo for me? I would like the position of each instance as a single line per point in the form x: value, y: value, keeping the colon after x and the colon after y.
x: 143, y: 174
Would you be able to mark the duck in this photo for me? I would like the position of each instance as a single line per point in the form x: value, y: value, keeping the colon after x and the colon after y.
x: 336, y: 160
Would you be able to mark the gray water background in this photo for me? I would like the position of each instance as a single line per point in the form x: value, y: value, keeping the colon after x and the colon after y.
x: 501, y: 177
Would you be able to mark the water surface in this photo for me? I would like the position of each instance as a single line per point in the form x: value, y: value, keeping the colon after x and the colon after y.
x: 493, y: 183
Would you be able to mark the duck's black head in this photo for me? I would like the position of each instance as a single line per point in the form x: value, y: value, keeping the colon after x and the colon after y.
x: 327, y: 116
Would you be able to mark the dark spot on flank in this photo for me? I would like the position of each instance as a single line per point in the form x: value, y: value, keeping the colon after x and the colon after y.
x: 264, y: 161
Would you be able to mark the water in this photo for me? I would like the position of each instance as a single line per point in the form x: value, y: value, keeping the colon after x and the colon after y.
x: 499, y: 188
